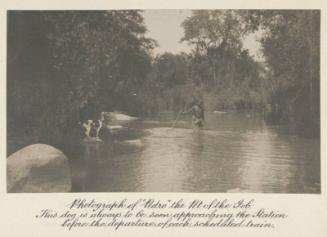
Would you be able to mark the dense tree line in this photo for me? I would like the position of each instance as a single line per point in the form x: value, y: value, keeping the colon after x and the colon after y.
x: 286, y: 87
x: 291, y: 45
x: 66, y: 66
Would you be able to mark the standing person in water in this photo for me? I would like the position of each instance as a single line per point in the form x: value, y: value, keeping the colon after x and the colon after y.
x: 93, y: 130
x: 197, y: 111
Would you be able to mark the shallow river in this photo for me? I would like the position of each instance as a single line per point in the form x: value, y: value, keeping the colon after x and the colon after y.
x: 233, y: 153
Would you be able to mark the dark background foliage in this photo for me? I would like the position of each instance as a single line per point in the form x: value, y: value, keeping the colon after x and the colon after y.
x: 66, y: 66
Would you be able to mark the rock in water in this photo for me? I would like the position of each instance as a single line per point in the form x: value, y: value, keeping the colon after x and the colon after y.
x: 219, y: 112
x: 117, y: 118
x: 38, y: 168
x: 137, y: 143
x: 114, y: 129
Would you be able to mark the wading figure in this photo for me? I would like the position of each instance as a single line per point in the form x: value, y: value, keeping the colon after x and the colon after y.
x: 197, y: 112
x: 93, y: 130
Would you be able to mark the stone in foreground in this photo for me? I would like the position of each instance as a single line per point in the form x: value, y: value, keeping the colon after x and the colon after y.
x: 38, y: 168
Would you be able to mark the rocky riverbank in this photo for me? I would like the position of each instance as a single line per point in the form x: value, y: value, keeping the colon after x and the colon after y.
x: 43, y: 168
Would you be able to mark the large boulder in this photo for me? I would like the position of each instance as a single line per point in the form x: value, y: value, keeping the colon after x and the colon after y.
x: 38, y: 168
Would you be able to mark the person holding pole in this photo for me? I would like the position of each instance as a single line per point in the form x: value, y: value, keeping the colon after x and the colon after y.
x: 197, y: 112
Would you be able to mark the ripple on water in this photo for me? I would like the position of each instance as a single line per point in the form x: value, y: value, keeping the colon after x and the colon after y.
x: 255, y: 158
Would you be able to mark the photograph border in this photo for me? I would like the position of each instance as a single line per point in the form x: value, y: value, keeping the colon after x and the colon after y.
x: 307, y: 212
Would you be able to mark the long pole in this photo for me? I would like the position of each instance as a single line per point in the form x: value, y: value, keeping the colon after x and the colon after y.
x: 177, y: 117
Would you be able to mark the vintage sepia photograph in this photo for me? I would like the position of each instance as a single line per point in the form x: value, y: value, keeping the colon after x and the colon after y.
x: 190, y: 101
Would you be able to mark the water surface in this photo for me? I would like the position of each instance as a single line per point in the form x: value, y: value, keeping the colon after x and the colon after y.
x: 234, y: 152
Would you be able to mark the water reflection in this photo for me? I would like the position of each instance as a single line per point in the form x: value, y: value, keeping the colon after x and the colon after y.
x: 233, y: 153
x: 263, y: 169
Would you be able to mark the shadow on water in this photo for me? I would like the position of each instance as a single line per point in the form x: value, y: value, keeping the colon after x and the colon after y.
x: 232, y: 153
